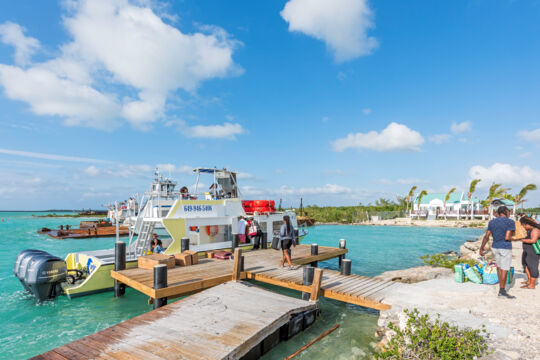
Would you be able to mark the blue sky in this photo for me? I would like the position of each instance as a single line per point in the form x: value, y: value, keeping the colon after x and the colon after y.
x: 337, y: 102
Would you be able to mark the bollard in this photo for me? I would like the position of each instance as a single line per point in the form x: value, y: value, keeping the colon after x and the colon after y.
x: 314, y: 251
x: 184, y: 244
x: 264, y: 241
x: 307, y: 280
x: 119, y: 264
x: 242, y: 263
x: 160, y: 282
x: 342, y: 245
x: 346, y: 267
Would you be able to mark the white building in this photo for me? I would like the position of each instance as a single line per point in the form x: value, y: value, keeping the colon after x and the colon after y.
x: 458, y: 206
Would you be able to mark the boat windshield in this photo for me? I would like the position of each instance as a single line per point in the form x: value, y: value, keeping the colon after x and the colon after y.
x: 224, y: 185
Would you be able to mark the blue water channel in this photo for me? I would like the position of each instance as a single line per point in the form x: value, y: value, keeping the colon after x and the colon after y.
x: 29, y: 328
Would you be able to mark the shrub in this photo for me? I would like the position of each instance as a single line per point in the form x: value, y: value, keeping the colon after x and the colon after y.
x: 425, y: 339
x: 442, y: 260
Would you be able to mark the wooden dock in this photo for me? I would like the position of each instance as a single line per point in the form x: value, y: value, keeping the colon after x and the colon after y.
x: 263, y: 265
x: 225, y: 322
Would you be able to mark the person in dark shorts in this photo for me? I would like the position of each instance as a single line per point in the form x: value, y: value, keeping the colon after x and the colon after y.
x: 531, y: 258
x: 286, y: 235
x: 501, y: 229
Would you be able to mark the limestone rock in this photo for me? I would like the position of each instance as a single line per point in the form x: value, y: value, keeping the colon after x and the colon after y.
x: 416, y: 274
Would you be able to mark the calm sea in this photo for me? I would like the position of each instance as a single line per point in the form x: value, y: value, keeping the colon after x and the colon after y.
x: 29, y: 328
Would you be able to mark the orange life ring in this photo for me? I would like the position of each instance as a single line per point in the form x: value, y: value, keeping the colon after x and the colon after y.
x: 212, y: 230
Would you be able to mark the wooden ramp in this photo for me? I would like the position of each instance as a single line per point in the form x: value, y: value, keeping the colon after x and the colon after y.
x: 263, y: 265
x: 224, y: 322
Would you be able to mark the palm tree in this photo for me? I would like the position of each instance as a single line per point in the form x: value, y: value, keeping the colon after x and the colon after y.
x: 420, y: 196
x: 409, y: 197
x: 520, y: 198
x: 495, y: 191
x: 446, y: 198
x: 472, y: 189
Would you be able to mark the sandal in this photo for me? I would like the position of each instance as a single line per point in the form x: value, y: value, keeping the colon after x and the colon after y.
x: 525, y: 286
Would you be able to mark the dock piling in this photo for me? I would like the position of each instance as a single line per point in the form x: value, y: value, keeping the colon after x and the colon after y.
x: 342, y: 245
x: 307, y: 280
x: 160, y: 282
x: 184, y: 245
x: 119, y: 264
x: 316, y: 286
x: 314, y: 251
x: 237, y: 268
x: 346, y: 267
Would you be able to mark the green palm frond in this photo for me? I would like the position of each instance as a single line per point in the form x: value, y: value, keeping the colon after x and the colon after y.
x: 447, y: 197
x: 472, y: 187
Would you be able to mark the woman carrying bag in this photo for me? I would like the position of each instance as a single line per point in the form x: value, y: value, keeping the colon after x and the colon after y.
x: 530, y: 257
x: 286, y: 236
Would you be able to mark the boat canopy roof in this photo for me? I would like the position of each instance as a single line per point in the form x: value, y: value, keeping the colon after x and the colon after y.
x: 211, y: 171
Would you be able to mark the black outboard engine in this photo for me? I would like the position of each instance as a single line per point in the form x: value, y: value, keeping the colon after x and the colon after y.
x: 40, y: 273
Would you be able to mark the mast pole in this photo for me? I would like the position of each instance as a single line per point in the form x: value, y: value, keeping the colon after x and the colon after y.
x: 116, y: 218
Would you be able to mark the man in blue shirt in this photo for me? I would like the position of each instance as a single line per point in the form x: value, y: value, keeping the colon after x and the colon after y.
x: 501, y: 229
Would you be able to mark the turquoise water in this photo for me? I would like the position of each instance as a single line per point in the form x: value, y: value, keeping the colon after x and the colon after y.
x: 29, y: 328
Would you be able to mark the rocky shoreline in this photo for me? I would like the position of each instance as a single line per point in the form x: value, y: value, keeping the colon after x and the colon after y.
x: 407, y: 222
x: 513, y: 325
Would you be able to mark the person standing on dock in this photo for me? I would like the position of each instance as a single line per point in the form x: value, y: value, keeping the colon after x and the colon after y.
x: 286, y: 235
x: 501, y: 229
x: 242, y: 230
x: 255, y: 232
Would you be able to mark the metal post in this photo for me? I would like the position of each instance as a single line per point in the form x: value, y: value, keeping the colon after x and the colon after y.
x: 307, y: 280
x: 184, y: 244
x: 342, y: 245
x: 314, y: 251
x: 242, y: 263
x: 346, y: 267
x: 160, y: 282
x: 119, y: 264
x: 264, y: 241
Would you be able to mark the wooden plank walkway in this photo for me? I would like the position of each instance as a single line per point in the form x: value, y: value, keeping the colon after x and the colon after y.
x: 212, y: 272
x: 263, y: 265
x: 224, y: 322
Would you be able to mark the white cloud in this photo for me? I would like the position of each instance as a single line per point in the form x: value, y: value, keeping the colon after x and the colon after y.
x: 532, y: 135
x: 324, y: 119
x: 226, y: 131
x: 25, y: 46
x: 461, y: 127
x: 342, y: 24
x: 395, y: 137
x: 136, y: 170
x: 278, y: 171
x: 366, y: 111
x: 505, y: 174
x: 50, y: 156
x: 440, y: 138
x: 122, y: 46
x: 49, y: 94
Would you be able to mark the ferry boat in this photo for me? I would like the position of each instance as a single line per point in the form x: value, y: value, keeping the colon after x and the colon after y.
x: 209, y: 219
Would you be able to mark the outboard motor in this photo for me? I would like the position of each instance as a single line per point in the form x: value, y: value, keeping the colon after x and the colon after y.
x: 22, y: 262
x: 41, y: 273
